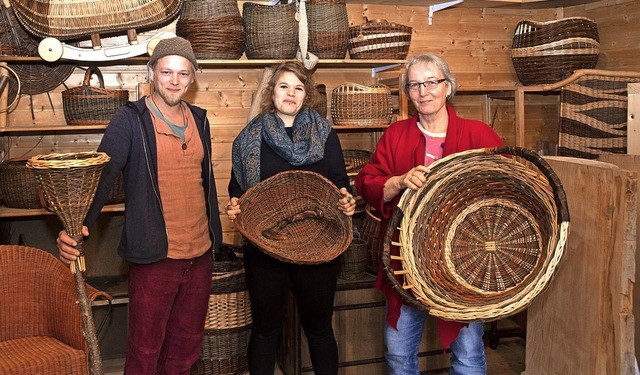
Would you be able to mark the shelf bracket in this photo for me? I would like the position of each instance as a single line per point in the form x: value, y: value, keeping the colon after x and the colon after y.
x: 437, y: 7
x: 379, y: 69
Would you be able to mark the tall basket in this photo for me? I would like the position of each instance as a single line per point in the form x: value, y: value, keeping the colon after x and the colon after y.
x: 271, y: 31
x: 69, y: 183
x: 328, y: 28
x: 482, y: 238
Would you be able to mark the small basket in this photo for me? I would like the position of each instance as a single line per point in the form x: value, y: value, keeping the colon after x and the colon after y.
x: 379, y: 39
x: 214, y: 28
x: 87, y: 105
x: 354, y: 161
x: 293, y: 216
x: 372, y: 238
x: 355, y: 104
x: 272, y: 31
x: 18, y: 185
x: 328, y: 25
x: 482, y: 237
x: 353, y: 262
x: 547, y: 52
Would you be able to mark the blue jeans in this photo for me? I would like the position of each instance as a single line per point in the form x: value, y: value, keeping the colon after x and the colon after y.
x: 402, y: 346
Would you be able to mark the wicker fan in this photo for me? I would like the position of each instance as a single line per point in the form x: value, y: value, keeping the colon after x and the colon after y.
x: 293, y: 217
x: 69, y: 183
x: 482, y: 238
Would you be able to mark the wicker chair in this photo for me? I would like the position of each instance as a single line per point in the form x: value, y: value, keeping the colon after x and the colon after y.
x: 41, y: 328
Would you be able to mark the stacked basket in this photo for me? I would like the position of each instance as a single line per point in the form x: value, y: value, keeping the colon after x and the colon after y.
x: 214, y: 28
x: 355, y: 104
x: 547, y: 52
x: 379, y: 39
x: 228, y: 322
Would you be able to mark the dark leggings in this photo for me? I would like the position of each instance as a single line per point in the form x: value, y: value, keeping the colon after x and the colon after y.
x: 313, y: 288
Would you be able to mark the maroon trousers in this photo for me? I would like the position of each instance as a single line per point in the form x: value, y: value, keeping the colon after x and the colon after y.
x: 168, y: 303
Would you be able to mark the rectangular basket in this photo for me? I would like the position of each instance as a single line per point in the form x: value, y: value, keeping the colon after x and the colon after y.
x: 547, y: 52
x: 87, y: 105
x: 379, y: 39
x: 355, y: 104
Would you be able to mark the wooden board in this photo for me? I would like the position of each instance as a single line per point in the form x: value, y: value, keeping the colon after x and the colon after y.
x: 583, y: 323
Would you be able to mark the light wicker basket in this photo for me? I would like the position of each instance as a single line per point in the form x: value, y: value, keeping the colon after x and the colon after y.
x: 74, y: 19
x: 293, y: 216
x: 482, y: 238
x: 356, y: 104
x: 379, y: 39
x: 547, y: 52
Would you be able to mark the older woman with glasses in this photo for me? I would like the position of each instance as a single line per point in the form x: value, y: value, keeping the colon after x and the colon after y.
x: 401, y: 161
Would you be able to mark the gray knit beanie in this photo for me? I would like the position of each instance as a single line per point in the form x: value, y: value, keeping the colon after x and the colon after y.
x: 173, y: 46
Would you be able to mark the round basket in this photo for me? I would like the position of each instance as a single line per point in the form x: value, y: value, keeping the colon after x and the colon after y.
x: 293, y: 216
x: 272, y: 31
x: 547, y: 52
x: 482, y: 238
x: 379, y: 39
x: 214, y: 28
x: 18, y: 185
x: 355, y: 104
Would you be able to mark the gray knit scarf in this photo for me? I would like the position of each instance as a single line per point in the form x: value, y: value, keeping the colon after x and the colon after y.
x: 310, y: 133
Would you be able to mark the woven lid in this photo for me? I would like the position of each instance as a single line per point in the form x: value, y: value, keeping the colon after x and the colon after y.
x: 482, y: 237
x: 293, y: 216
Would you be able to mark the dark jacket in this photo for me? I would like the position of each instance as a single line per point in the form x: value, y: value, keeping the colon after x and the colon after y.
x: 130, y: 141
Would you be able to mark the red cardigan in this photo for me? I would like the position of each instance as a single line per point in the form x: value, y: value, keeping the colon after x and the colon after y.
x: 401, y: 148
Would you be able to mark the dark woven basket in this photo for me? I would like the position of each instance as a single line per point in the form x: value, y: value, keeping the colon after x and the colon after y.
x: 547, y: 52
x: 372, y: 238
x: 379, y: 39
x: 214, y: 28
x: 34, y: 78
x: 353, y: 104
x: 353, y: 262
x: 228, y: 270
x: 223, y: 352
x: 18, y: 185
x: 87, y: 105
x: 271, y: 31
x: 482, y: 238
x: 321, y: 106
x: 293, y: 216
x: 593, y: 114
x: 328, y: 26
x: 354, y: 161
x: 116, y: 195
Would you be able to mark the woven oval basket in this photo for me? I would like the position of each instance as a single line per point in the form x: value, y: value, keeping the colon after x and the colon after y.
x: 379, y: 39
x: 355, y: 104
x: 547, y: 52
x: 293, y: 216
x: 73, y: 19
x: 482, y: 238
x: 271, y: 31
x: 87, y: 105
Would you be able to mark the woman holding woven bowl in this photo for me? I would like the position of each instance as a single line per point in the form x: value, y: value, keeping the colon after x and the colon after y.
x: 288, y: 134
x: 401, y: 161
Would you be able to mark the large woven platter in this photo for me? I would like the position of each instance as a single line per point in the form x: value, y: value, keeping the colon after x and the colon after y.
x: 293, y: 216
x: 482, y: 238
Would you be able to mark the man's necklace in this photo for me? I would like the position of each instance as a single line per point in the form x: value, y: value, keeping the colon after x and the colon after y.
x: 176, y: 129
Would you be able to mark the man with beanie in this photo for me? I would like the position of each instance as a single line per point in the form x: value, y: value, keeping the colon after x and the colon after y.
x: 162, y: 147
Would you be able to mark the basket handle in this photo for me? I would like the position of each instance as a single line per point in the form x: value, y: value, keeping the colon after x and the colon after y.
x: 559, y: 194
x: 91, y: 71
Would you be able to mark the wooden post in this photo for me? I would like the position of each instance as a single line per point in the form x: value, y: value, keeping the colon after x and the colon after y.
x: 633, y: 119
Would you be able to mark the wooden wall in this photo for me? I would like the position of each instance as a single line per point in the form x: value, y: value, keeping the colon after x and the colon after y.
x: 475, y: 41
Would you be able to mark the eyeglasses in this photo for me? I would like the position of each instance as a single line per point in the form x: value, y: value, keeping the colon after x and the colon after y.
x: 429, y: 85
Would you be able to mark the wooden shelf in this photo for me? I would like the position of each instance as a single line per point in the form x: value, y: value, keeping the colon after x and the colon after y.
x: 51, y: 128
x: 8, y: 212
